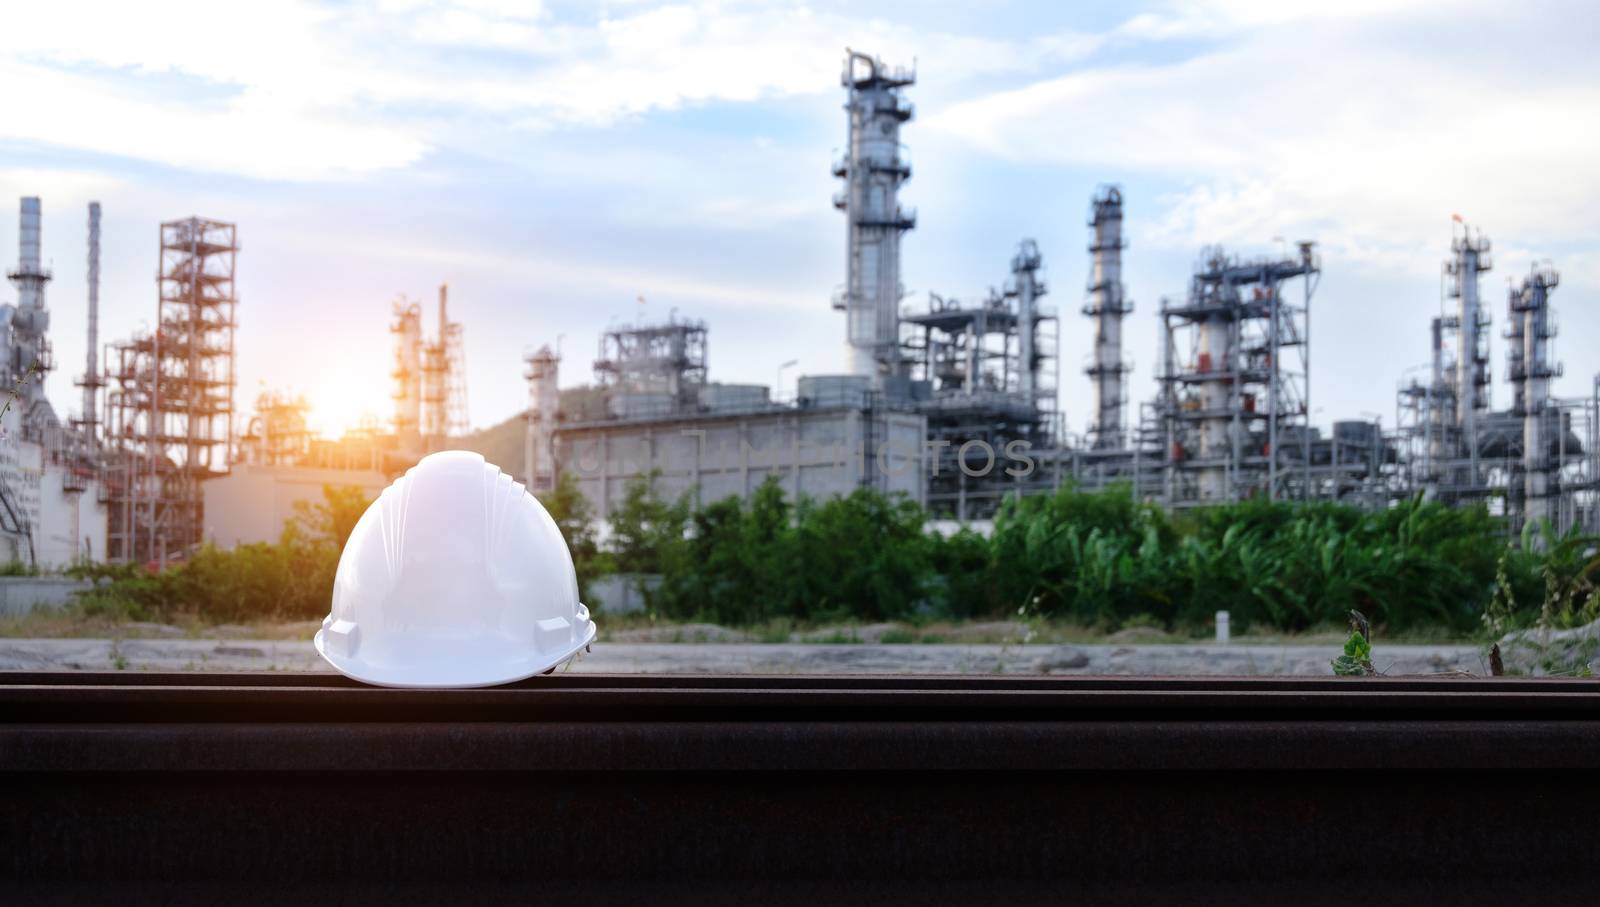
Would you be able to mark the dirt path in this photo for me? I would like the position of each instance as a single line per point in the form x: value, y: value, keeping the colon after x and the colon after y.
x: 739, y: 658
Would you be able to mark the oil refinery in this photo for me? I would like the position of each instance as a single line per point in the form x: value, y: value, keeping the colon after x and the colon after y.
x: 954, y: 403
x: 936, y: 399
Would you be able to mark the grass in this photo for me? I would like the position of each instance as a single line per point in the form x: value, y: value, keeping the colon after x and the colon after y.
x: 841, y: 636
x: 67, y: 624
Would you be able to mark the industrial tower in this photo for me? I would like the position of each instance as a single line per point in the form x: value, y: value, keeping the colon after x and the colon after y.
x: 1536, y: 460
x: 88, y: 423
x: 1531, y: 367
x: 1469, y: 258
x: 653, y: 369
x: 170, y: 411
x: 1236, y: 408
x: 1035, y: 340
x: 444, y: 377
x: 30, y: 346
x: 430, y: 377
x: 544, y: 405
x: 873, y: 170
x: 1107, y: 305
x: 407, y: 373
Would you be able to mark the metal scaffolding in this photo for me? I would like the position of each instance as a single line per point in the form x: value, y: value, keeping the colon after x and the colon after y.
x: 1532, y: 462
x: 170, y: 409
x: 277, y: 435
x: 407, y: 373
x: 1235, y: 380
x: 981, y: 373
x: 652, y: 369
x: 430, y: 377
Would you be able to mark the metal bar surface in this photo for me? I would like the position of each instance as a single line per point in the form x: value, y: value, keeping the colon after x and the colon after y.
x: 651, y: 789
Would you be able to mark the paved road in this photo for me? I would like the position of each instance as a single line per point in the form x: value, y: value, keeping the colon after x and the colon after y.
x: 739, y: 658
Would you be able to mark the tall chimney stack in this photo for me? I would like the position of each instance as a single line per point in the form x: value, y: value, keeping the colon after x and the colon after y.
x: 91, y: 373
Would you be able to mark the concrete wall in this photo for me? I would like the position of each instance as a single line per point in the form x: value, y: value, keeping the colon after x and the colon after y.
x: 252, y: 503
x: 813, y: 452
x: 21, y: 594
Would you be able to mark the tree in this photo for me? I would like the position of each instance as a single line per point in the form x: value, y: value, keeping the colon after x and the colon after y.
x: 330, y: 520
x: 646, y: 531
x: 574, y: 516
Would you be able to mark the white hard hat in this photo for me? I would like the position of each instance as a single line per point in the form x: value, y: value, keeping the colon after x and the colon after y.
x: 454, y: 577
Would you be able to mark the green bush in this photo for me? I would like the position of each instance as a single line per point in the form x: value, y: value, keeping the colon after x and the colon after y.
x: 1098, y: 559
x: 1103, y: 559
x: 862, y: 556
x: 291, y: 579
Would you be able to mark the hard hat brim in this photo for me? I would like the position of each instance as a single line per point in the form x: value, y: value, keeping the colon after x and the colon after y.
x: 455, y: 675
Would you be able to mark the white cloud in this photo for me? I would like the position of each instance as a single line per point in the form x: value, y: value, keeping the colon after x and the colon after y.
x: 1372, y: 144
x: 1213, y: 18
x: 297, y: 90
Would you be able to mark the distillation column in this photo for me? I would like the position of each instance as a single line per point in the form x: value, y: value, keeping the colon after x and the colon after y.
x: 1439, y: 412
x: 407, y: 374
x: 873, y: 171
x: 544, y: 405
x: 1515, y: 372
x: 1471, y: 258
x: 435, y: 377
x: 30, y: 348
x: 1027, y: 287
x: 1216, y: 356
x: 1539, y: 423
x: 1107, y: 306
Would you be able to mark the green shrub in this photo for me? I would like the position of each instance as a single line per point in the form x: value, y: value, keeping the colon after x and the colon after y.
x: 291, y: 579
x: 1102, y: 559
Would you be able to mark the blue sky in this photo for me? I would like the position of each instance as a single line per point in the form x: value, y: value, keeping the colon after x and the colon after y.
x: 554, y: 162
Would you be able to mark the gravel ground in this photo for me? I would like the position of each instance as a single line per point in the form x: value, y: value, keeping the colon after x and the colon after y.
x: 753, y: 658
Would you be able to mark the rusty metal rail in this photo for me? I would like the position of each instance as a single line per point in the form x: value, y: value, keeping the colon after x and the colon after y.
x: 837, y: 789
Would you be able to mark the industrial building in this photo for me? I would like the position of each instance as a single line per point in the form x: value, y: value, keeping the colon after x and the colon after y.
x: 664, y: 418
x: 964, y: 383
